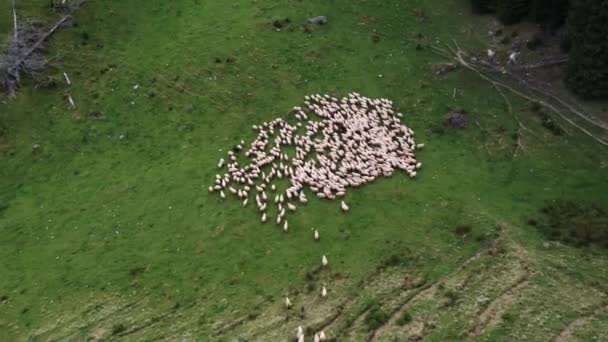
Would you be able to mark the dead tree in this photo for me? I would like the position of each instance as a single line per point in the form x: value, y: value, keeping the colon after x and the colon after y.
x: 24, y: 49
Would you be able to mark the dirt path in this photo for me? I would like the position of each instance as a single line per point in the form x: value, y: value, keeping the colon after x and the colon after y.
x: 493, y: 312
x: 567, y: 333
x: 424, y: 292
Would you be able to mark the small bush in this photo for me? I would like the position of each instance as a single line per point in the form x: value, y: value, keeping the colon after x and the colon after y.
x: 405, y: 318
x: 376, y: 317
x: 550, y: 124
x: 118, y: 328
x: 452, y: 298
x: 462, y: 230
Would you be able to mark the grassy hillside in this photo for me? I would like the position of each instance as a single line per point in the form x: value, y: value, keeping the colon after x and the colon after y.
x: 108, y: 229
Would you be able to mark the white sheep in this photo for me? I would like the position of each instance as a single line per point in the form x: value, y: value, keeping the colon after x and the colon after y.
x: 344, y: 206
x: 286, y: 226
x: 324, y: 261
x: 323, y: 292
x: 287, y: 302
x: 316, y: 235
x: 322, y: 336
x: 264, y: 218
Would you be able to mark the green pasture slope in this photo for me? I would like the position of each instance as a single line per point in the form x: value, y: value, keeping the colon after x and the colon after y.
x: 114, y: 206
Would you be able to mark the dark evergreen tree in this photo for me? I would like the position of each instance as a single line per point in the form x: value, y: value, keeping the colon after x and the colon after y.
x: 512, y: 11
x: 550, y: 14
x: 587, y: 72
x: 483, y: 6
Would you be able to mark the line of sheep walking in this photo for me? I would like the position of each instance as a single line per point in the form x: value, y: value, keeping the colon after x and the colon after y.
x: 335, y: 144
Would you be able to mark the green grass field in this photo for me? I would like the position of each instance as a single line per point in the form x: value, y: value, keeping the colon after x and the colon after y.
x: 108, y: 230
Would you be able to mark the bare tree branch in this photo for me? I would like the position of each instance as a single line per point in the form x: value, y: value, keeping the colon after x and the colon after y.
x: 15, y: 29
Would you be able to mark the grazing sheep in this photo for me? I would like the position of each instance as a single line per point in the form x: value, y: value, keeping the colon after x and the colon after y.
x: 222, y: 195
x: 324, y: 261
x: 354, y: 141
x: 316, y: 338
x: 287, y: 302
x: 316, y: 235
x: 264, y: 218
x: 344, y: 206
x: 286, y: 226
x: 299, y: 331
x: 323, y: 292
x: 322, y: 336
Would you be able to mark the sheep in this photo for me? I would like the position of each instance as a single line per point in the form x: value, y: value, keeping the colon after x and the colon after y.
x: 264, y: 218
x: 324, y: 261
x: 299, y: 331
x: 316, y: 236
x: 361, y: 140
x: 287, y: 302
x: 344, y: 206
x: 222, y: 195
x: 291, y: 207
x: 286, y: 226
x: 316, y: 338
x: 245, y: 202
x: 322, y: 336
x: 211, y: 189
x: 323, y: 292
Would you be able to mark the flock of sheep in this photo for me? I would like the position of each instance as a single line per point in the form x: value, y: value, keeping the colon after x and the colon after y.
x: 332, y: 145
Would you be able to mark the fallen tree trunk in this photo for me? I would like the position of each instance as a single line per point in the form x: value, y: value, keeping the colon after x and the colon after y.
x: 477, y: 66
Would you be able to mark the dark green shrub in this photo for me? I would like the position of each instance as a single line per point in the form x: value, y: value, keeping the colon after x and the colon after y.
x: 550, y: 124
x: 575, y: 224
x: 587, y: 72
x: 118, y: 328
x: 405, y: 318
x: 376, y: 317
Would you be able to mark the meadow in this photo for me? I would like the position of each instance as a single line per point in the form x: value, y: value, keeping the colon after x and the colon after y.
x: 108, y: 230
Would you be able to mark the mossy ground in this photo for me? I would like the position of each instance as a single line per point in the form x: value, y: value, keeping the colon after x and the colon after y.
x: 113, y: 207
